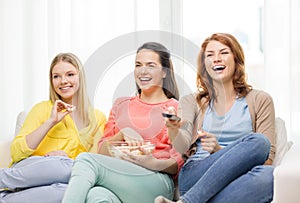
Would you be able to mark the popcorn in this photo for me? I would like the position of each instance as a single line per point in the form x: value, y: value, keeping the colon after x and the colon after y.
x: 117, y: 149
x: 71, y: 109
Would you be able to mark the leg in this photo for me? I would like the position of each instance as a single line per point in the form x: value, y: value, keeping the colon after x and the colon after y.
x: 47, y: 194
x: 101, y: 194
x: 256, y: 186
x: 36, y: 171
x: 129, y: 182
x: 231, y: 162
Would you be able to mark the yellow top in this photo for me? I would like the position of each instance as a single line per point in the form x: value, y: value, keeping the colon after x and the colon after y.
x: 63, y: 136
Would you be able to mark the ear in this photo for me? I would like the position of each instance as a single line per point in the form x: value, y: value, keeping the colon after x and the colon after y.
x: 164, y: 74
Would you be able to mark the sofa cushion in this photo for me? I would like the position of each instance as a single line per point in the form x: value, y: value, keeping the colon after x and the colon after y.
x: 20, y: 120
x: 282, y: 145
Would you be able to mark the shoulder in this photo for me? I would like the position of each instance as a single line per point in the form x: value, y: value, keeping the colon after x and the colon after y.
x: 258, y: 95
x: 122, y: 100
x: 189, y: 98
x: 173, y: 101
x: 40, y: 111
x: 42, y: 106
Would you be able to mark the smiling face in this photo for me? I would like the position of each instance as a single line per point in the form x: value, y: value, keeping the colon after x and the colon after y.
x: 219, y: 61
x: 65, y: 80
x: 148, y: 71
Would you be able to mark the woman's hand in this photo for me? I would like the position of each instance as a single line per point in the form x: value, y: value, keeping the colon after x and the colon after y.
x: 147, y: 161
x: 131, y: 137
x: 57, y: 153
x: 209, y: 142
x: 172, y: 123
x: 59, y: 110
x: 150, y: 162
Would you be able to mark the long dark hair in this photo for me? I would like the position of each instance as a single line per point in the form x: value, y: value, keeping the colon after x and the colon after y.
x: 169, y: 83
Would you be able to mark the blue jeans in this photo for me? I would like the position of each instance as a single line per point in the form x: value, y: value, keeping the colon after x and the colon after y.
x: 38, y: 178
x: 233, y: 174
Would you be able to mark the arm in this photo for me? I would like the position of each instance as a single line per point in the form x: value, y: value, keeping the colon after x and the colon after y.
x: 265, y: 120
x: 34, y: 129
x: 34, y: 138
x: 182, y: 134
x: 111, y: 133
x: 169, y: 166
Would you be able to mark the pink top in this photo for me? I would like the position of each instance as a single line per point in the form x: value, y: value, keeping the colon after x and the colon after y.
x: 147, y: 120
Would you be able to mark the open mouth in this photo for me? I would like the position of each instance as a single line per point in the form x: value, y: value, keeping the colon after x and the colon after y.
x: 218, y: 68
x: 65, y: 88
x: 145, y: 79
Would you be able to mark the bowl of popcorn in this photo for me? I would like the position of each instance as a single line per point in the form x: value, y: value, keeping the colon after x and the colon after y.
x: 118, y: 148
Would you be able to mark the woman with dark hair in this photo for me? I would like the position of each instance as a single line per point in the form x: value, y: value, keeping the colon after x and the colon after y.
x: 53, y: 134
x: 227, y: 131
x: 138, y: 175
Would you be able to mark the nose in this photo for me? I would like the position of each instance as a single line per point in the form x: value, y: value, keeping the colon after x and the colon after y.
x: 144, y: 69
x: 64, y: 79
x: 217, y: 58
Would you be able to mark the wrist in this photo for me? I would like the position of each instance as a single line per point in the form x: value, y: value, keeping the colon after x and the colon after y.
x: 217, y: 148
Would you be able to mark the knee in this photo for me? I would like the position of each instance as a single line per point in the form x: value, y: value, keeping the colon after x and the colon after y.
x: 82, y: 157
x: 260, y: 147
x: 84, y: 162
x: 264, y: 174
x: 263, y: 143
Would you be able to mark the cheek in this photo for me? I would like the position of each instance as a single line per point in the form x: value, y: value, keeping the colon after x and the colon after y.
x: 208, y: 62
x: 55, y: 83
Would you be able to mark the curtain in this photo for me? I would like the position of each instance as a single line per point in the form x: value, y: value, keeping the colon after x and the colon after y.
x: 34, y: 31
x: 282, y: 52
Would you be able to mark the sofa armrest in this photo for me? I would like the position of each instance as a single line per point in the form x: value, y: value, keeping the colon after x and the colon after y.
x: 5, y: 153
x: 287, y: 176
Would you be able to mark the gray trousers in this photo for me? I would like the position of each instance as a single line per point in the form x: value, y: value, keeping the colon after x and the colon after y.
x: 36, y: 179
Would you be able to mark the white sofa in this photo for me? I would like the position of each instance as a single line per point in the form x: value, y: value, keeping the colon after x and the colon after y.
x: 286, y: 162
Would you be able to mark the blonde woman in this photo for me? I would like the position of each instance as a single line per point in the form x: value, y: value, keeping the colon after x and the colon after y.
x: 53, y: 134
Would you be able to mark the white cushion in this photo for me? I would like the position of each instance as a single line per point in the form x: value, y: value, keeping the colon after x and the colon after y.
x: 282, y: 145
x: 20, y: 120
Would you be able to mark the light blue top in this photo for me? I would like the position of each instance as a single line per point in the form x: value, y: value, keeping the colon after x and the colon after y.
x: 235, y: 124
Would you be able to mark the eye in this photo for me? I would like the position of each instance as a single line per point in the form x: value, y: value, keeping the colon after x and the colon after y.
x: 224, y: 52
x: 209, y: 55
x: 55, y: 76
x: 71, y: 74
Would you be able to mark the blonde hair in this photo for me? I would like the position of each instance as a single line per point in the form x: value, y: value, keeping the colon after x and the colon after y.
x: 83, y: 103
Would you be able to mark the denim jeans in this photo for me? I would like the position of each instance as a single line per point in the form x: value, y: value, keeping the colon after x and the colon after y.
x: 233, y: 174
x: 36, y: 179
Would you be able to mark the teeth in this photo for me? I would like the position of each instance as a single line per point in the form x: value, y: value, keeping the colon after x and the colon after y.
x: 219, y: 67
x: 144, y: 79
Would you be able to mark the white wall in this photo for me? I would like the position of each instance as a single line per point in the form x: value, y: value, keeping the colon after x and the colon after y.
x: 34, y: 31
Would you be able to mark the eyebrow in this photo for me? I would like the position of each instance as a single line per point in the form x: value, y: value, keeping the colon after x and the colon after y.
x: 147, y: 63
x: 69, y: 71
x: 219, y: 50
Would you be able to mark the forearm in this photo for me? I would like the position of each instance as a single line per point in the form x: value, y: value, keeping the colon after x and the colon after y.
x: 169, y: 166
x: 104, y: 145
x: 181, y: 139
x: 34, y: 139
